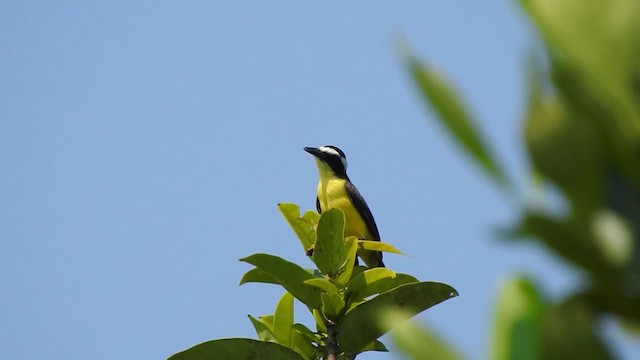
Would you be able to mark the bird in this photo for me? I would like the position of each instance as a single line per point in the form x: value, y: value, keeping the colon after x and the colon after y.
x: 335, y: 190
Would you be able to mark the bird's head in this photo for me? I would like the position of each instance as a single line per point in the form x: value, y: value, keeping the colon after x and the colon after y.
x: 329, y: 159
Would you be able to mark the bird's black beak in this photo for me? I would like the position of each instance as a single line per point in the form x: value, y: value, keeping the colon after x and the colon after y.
x: 313, y: 151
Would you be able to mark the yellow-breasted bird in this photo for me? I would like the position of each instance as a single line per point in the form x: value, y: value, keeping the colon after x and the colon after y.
x: 335, y: 190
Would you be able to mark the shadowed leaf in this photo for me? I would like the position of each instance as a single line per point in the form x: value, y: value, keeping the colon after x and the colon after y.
x: 289, y: 275
x: 419, y: 343
x: 237, y: 349
x: 330, y: 252
x: 362, y: 325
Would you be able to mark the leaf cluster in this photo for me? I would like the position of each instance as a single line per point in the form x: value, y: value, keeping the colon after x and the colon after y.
x: 348, y: 302
x: 582, y: 136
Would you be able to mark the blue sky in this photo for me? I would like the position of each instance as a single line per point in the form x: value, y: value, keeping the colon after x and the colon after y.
x: 145, y: 145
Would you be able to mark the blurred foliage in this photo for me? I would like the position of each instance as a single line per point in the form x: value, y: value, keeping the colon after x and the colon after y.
x: 348, y: 302
x: 582, y: 135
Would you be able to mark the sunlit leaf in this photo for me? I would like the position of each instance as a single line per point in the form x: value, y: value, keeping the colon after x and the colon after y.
x: 378, y: 246
x: 517, y: 325
x: 304, y: 226
x: 262, y: 329
x: 283, y: 320
x: 323, y: 284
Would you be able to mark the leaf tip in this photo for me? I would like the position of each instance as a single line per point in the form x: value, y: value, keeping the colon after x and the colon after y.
x: 453, y: 293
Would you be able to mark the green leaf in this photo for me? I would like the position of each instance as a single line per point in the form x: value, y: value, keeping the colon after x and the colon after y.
x: 237, y: 349
x: 374, y: 281
x: 363, y: 324
x: 320, y: 325
x: 419, y: 343
x: 307, y: 333
x: 304, y: 226
x: 311, y: 217
x: 322, y: 284
x: 378, y: 246
x: 573, y: 241
x: 332, y: 305
x: 289, y: 275
x: 453, y: 115
x: 283, y: 320
x: 517, y: 325
x: 303, y: 345
x: 595, y: 53
x: 567, y: 149
x: 570, y: 331
x: 375, y: 346
x: 263, y: 329
x: 347, y: 270
x: 258, y: 275
x: 329, y: 253
x: 284, y: 330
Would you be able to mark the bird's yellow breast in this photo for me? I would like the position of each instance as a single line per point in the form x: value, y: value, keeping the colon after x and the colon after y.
x: 332, y: 194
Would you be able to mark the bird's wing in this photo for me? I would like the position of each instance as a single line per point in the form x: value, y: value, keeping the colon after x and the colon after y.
x: 318, y: 205
x: 363, y: 210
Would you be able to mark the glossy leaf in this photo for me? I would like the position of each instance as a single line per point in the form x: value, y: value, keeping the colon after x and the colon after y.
x: 454, y: 116
x: 363, y: 324
x: 237, y: 349
x: 289, y: 275
x: 329, y: 253
x: 517, y: 325
x: 304, y: 226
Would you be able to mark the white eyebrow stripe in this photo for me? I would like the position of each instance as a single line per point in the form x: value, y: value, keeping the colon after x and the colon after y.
x: 329, y: 150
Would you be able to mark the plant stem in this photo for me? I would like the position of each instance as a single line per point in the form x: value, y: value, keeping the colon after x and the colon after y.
x: 332, y: 340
